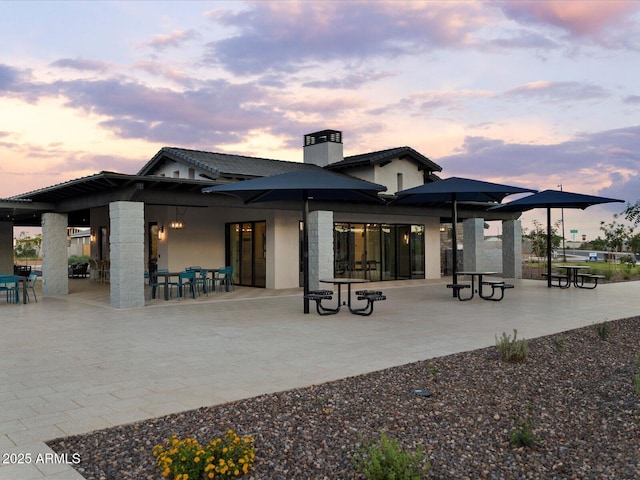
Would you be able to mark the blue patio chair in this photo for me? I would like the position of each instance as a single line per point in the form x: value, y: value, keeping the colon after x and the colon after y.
x: 224, y: 277
x: 153, y: 284
x: 11, y: 284
x: 187, y: 279
x: 31, y: 285
x: 202, y: 281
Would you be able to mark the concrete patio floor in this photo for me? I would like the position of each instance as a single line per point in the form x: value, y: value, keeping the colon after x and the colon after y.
x: 72, y: 364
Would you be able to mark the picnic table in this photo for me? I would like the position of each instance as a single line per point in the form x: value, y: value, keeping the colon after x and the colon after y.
x: 478, y: 286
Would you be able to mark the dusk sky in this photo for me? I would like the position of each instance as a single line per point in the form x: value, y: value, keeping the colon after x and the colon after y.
x: 529, y: 93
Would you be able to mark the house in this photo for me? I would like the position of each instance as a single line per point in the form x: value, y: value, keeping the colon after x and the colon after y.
x: 160, y: 218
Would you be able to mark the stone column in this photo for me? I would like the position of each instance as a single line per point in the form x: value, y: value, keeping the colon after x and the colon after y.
x: 512, y: 249
x: 126, y: 243
x: 473, y: 244
x: 55, y: 259
x: 6, y: 247
x: 320, y: 248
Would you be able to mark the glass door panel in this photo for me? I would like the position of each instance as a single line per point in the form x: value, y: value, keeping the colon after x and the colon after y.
x: 417, y: 251
x: 403, y: 258
x: 388, y: 252
x: 373, y: 252
x: 233, y: 252
x: 246, y: 260
x: 341, y: 245
x: 260, y: 254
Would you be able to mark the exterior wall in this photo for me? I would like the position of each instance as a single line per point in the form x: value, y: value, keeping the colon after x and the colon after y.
x: 178, y: 250
x: 126, y: 254
x: 55, y: 279
x: 512, y: 249
x: 321, y: 249
x: 283, y: 250
x: 168, y: 170
x: 388, y: 175
x: 6, y: 247
x: 473, y: 244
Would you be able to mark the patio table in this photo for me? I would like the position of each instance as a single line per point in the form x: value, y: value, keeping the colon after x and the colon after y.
x: 344, y: 281
x: 167, y: 276
x: 572, y: 273
x: 477, y: 289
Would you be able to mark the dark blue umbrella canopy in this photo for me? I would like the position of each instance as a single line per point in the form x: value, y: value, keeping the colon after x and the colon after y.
x: 453, y: 190
x: 303, y: 185
x: 456, y: 189
x: 553, y: 199
x: 312, y: 183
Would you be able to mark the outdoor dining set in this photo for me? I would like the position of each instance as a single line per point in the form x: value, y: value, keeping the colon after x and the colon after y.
x: 11, y: 284
x: 573, y: 275
x: 190, y: 282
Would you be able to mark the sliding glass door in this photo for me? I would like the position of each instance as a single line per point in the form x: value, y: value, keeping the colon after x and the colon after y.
x: 379, y: 251
x: 246, y: 252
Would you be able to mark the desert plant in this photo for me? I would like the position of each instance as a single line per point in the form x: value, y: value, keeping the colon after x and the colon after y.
x: 226, y: 457
x: 512, y: 349
x: 559, y: 344
x: 603, y: 330
x: 386, y: 460
x: 523, y: 435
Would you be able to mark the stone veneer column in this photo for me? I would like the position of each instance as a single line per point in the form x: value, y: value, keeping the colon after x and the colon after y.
x: 6, y: 247
x: 512, y: 249
x: 320, y: 248
x: 126, y: 242
x: 473, y: 244
x: 55, y: 254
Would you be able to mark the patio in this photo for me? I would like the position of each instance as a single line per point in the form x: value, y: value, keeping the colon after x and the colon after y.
x: 72, y: 364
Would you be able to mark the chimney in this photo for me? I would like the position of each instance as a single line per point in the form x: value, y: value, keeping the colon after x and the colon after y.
x: 323, y: 148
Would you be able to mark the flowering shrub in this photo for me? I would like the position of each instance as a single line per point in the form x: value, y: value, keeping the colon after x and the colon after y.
x: 226, y: 457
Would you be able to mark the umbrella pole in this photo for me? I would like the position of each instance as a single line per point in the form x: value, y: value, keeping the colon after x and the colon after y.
x: 454, y: 243
x: 549, y: 247
x: 305, y: 251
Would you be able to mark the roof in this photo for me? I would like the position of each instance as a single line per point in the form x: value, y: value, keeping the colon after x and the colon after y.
x: 77, y: 196
x: 222, y: 164
x: 107, y: 181
x: 383, y: 157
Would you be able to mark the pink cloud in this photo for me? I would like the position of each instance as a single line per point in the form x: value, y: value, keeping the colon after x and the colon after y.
x: 579, y: 18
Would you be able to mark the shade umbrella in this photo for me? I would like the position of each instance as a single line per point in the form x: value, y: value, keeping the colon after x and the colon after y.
x: 303, y: 185
x: 553, y: 199
x: 453, y: 190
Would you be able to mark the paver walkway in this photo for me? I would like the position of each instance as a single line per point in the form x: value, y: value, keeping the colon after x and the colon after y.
x: 72, y: 364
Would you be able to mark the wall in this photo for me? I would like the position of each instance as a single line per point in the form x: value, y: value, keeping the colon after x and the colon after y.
x: 388, y: 175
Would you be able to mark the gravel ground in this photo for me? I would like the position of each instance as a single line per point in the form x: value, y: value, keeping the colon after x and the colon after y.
x: 575, y: 388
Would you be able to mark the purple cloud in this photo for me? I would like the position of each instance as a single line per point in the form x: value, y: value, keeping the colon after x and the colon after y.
x: 558, y: 91
x: 285, y: 36
x: 612, y: 153
x: 81, y: 64
x: 601, y: 21
x: 175, y: 39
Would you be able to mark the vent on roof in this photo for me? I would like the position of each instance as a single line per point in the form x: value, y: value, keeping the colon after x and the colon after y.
x: 323, y: 148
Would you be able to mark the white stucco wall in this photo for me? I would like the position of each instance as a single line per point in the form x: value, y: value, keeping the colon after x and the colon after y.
x: 387, y: 175
x: 170, y: 168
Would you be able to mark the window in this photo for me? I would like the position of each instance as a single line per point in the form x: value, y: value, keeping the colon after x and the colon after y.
x: 400, y: 183
x: 379, y: 251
